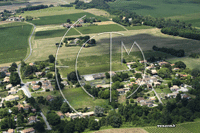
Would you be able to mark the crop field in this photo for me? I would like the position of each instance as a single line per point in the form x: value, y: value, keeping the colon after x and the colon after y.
x: 14, y: 41
x: 59, y: 19
x: 55, y: 33
x: 155, y: 8
x: 100, y: 28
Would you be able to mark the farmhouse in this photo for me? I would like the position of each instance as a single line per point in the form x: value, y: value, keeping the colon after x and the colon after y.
x: 73, y: 115
x: 174, y: 88
x: 143, y: 61
x: 12, y: 91
x: 36, y: 87
x: 163, y: 63
x: 185, y: 96
x: 28, y: 130
x: 153, y: 72
x: 46, y: 85
x: 140, y: 99
x: 6, y: 79
x: 88, y: 114
x: 172, y: 95
x: 11, y: 98
x: 157, y: 84
x: 175, y: 69
x: 33, y: 83
x: 120, y: 91
x: 32, y: 119
x: 99, y: 76
x: 50, y: 98
x: 61, y: 115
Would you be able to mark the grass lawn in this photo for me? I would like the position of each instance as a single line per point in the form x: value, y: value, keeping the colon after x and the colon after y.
x: 59, y: 19
x: 54, y: 33
x: 14, y: 41
x: 138, y: 27
x: 155, y: 8
x: 100, y: 28
x: 158, y: 90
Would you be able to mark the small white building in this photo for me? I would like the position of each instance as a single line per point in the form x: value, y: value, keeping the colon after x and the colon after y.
x: 12, y: 97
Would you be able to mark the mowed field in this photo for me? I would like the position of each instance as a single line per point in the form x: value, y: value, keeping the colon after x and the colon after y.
x: 161, y: 8
x: 14, y: 41
x: 59, y: 19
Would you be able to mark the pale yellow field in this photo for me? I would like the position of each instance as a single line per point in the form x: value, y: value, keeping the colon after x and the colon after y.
x: 98, y: 12
x: 48, y: 27
x: 51, y: 11
x: 123, y: 130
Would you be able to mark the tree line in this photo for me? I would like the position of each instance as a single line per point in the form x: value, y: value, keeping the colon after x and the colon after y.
x: 178, y: 53
x: 30, y: 8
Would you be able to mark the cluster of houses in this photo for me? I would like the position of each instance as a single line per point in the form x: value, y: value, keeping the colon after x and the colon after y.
x: 75, y: 115
x: 46, y: 85
x: 148, y: 103
x: 71, y: 25
x: 18, y: 19
x: 7, y: 74
x: 175, y: 91
x: 97, y: 76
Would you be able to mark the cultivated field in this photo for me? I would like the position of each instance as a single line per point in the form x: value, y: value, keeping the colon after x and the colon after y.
x: 55, y: 33
x: 59, y: 19
x: 100, y: 28
x: 161, y: 8
x: 98, y: 12
x: 14, y: 41
x: 146, y: 38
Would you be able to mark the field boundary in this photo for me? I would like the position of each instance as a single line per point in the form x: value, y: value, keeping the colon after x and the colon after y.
x: 78, y: 31
x: 121, y: 26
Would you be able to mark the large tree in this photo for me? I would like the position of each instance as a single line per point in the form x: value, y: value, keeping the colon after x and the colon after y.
x: 51, y: 58
x: 53, y: 119
x: 98, y: 111
x: 65, y: 108
x: 164, y: 73
x: 15, y: 79
x: 180, y: 64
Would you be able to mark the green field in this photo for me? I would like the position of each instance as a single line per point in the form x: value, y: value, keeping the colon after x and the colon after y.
x: 100, y: 28
x: 59, y: 19
x: 14, y: 41
x: 190, y: 62
x: 138, y: 27
x: 155, y: 8
x: 77, y: 98
x: 54, y: 33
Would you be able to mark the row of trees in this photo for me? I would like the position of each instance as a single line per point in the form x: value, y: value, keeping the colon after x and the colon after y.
x: 30, y: 8
x: 178, y: 53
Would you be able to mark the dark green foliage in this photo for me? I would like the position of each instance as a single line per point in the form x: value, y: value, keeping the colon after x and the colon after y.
x: 93, y: 125
x: 51, y: 58
x: 39, y: 126
x: 178, y: 53
x: 164, y: 73
x: 180, y: 64
x: 53, y: 118
x: 65, y: 108
x: 98, y: 111
x: 73, y: 77
x: 138, y: 75
x: 30, y: 8
x: 15, y: 79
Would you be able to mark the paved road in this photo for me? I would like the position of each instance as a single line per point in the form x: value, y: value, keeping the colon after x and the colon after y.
x: 19, y: 66
x: 157, y: 95
x: 45, y: 120
x: 26, y: 90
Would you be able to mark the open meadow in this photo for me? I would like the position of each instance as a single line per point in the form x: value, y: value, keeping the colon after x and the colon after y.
x: 14, y: 41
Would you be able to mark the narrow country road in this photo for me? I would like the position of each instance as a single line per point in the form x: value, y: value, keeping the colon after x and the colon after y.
x: 157, y: 95
x: 24, y: 87
x: 19, y: 66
